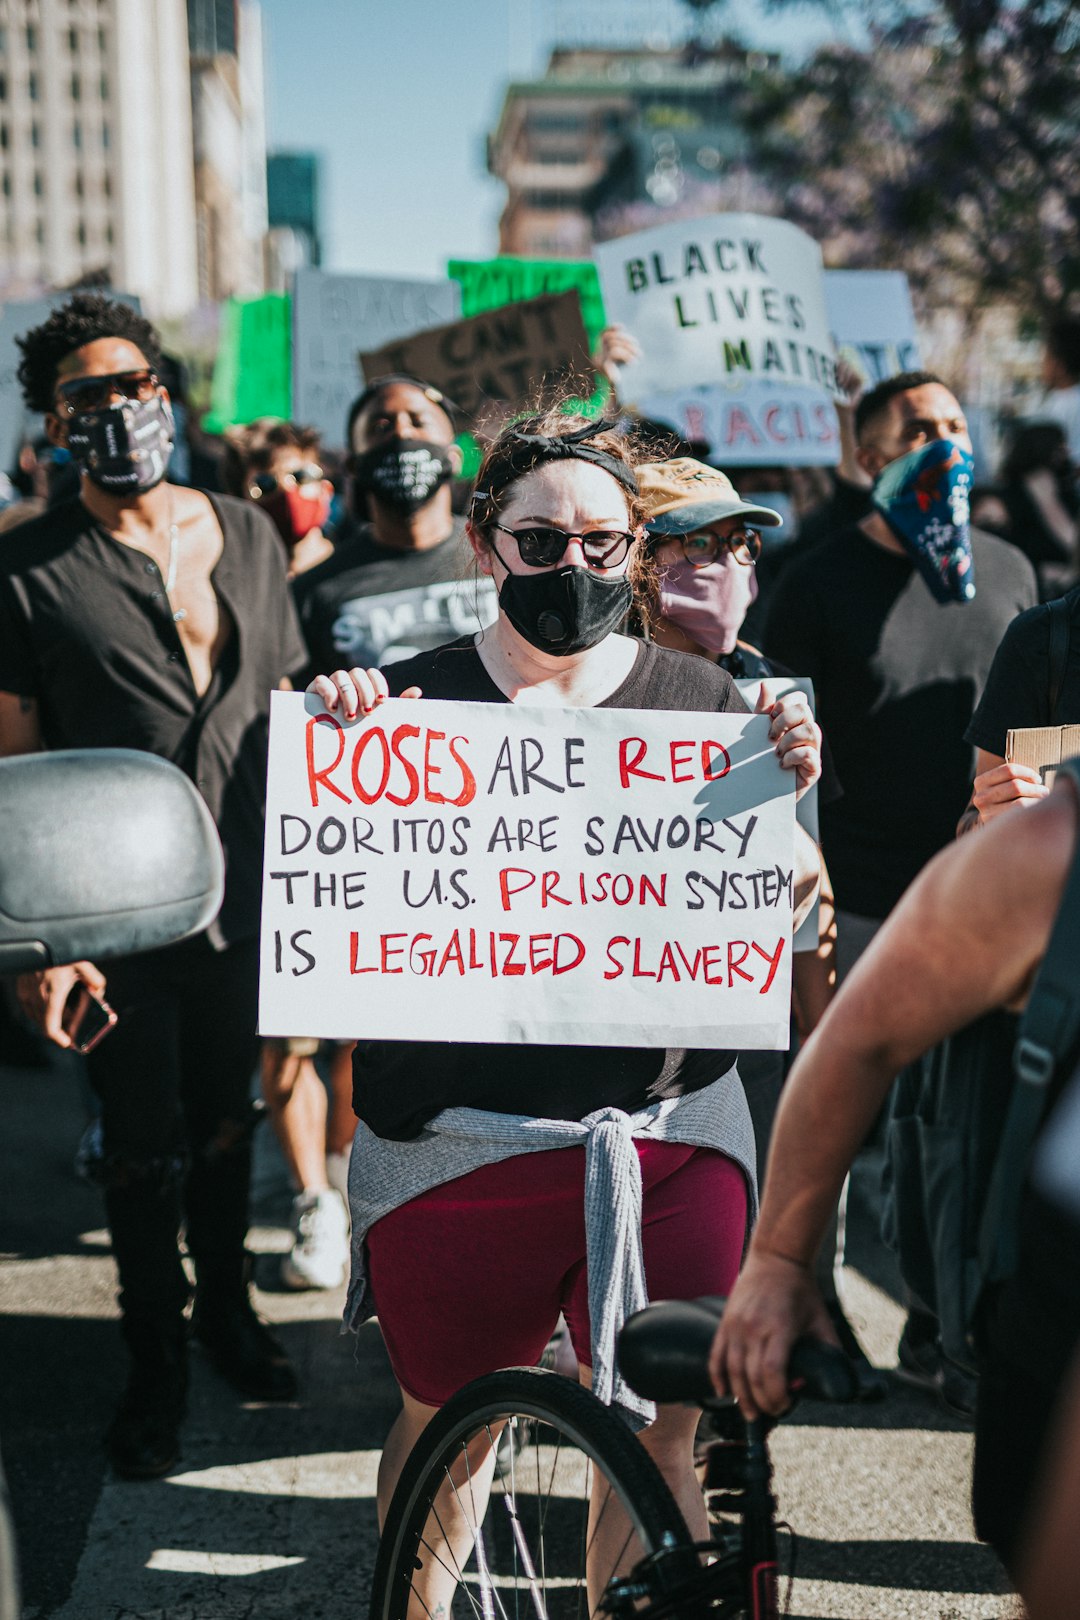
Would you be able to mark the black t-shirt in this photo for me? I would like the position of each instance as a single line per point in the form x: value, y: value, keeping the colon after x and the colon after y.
x: 896, y: 674
x: 399, y: 1085
x: 1017, y: 691
x: 85, y: 628
x: 369, y: 605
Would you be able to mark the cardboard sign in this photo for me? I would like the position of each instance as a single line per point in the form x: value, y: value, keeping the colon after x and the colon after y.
x: 16, y: 319
x: 732, y: 298
x: 872, y: 322
x: 253, y: 369
x: 334, y: 316
x: 490, y: 283
x: 493, y: 872
x: 1042, y: 747
x: 505, y: 358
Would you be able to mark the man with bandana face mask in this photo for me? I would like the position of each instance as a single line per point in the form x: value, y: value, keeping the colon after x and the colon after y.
x: 896, y: 620
x: 144, y: 615
x: 399, y: 581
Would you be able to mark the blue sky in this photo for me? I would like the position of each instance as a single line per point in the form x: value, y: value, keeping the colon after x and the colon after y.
x: 398, y: 95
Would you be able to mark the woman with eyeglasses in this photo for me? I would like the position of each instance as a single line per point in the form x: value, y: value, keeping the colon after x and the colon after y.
x: 469, y: 1270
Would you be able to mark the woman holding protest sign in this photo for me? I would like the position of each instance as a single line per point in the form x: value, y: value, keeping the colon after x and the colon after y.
x: 488, y: 1181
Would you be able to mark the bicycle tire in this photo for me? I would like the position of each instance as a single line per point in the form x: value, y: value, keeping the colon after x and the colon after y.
x: 542, y: 1398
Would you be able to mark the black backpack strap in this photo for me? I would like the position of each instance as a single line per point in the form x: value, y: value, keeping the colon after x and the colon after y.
x: 1060, y: 625
x: 1049, y: 1032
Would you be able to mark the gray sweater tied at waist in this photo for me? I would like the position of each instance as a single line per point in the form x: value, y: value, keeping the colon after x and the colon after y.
x: 385, y: 1174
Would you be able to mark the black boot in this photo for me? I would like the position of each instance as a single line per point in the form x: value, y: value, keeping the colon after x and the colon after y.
x: 143, y: 1440
x: 240, y: 1346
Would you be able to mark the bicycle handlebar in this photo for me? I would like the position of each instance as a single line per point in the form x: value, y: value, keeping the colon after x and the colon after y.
x: 664, y: 1355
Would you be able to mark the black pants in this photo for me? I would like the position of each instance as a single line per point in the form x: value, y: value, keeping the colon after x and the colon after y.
x: 174, y: 1079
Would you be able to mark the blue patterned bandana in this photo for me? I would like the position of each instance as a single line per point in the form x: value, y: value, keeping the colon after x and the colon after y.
x: 923, y: 497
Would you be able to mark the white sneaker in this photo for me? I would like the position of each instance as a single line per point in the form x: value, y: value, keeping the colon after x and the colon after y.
x: 320, y: 1253
x: 337, y: 1172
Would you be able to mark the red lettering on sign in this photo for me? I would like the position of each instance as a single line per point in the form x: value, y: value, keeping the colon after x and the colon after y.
x: 317, y: 778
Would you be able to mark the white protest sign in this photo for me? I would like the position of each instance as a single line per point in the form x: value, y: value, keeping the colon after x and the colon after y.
x: 754, y: 423
x: 806, y: 809
x: 334, y: 317
x: 872, y: 322
x: 491, y: 872
x: 732, y: 297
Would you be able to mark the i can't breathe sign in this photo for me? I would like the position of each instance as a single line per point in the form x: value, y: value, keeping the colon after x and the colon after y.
x: 485, y: 872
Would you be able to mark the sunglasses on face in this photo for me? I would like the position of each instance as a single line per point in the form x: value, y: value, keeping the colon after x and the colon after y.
x: 95, y: 393
x: 705, y: 547
x: 264, y: 484
x: 541, y: 547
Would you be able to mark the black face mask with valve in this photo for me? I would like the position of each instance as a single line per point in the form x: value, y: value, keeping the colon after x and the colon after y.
x: 567, y: 610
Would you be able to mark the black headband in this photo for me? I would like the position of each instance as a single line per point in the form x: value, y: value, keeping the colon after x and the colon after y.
x: 533, y: 449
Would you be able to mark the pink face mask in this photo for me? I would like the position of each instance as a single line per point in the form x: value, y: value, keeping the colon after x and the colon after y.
x: 708, y: 604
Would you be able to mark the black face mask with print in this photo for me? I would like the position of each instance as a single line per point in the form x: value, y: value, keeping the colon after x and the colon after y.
x: 402, y: 474
x: 124, y: 449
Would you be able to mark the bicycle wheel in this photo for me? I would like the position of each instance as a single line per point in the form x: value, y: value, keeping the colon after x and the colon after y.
x: 577, y: 1501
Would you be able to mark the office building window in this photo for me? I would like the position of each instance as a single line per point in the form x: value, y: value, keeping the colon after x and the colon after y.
x: 80, y: 233
x: 80, y: 184
x: 73, y: 41
x: 39, y: 183
x: 3, y: 86
x: 32, y: 86
x: 76, y: 87
x: 76, y: 135
x: 3, y: 137
x: 31, y: 37
x: 105, y: 137
x: 35, y: 133
x: 108, y: 235
x: 106, y: 185
x: 5, y: 184
x: 39, y: 231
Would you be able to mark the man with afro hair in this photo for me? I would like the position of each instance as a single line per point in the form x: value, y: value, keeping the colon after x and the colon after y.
x: 140, y: 614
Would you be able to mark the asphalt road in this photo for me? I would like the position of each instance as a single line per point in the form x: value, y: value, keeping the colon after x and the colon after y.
x: 270, y: 1513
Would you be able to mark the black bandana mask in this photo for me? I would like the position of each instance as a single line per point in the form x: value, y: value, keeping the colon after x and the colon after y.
x: 567, y: 610
x: 124, y: 449
x: 403, y: 474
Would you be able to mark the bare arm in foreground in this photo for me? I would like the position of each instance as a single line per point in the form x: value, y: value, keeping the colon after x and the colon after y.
x: 966, y: 938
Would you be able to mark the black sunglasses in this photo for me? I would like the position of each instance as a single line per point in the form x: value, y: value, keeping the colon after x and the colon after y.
x: 95, y: 393
x: 543, y: 547
x: 267, y: 483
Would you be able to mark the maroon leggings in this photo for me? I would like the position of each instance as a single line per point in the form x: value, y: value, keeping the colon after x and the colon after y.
x: 472, y: 1275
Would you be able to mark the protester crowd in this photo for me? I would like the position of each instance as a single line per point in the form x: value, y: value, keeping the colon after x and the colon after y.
x: 153, y: 597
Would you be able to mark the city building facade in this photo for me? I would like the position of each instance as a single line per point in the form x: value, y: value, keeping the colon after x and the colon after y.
x: 611, y: 139
x: 96, y: 172
x: 228, y: 118
x: 295, y: 240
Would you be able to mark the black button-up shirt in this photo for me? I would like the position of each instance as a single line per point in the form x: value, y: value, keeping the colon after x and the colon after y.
x: 87, y: 630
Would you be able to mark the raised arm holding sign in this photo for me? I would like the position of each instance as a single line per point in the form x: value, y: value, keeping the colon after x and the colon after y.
x: 540, y: 863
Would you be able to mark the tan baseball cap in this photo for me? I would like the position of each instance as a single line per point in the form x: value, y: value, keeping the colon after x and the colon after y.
x: 683, y: 495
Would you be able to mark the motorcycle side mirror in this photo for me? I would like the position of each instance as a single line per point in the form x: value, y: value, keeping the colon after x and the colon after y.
x: 103, y: 852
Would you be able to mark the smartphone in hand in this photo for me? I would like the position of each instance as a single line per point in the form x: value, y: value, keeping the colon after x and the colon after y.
x: 87, y: 1018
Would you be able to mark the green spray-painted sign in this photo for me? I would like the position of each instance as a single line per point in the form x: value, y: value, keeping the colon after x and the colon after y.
x: 253, y: 369
x: 489, y: 283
